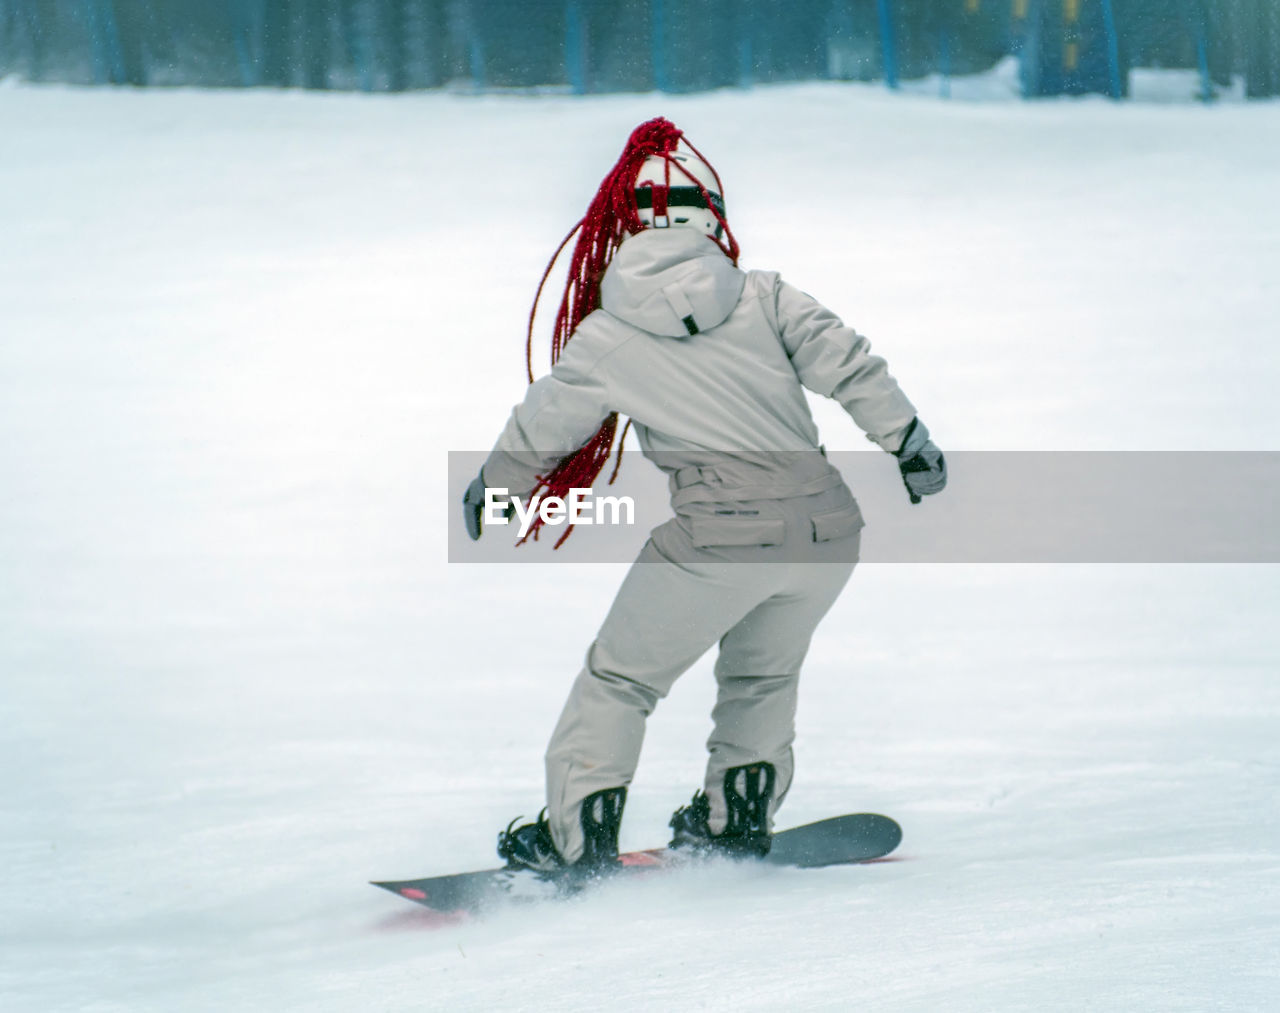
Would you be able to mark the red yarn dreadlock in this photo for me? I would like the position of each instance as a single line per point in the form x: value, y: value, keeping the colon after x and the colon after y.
x: 611, y: 216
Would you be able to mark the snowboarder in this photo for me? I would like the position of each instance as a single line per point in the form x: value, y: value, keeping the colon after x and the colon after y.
x: 709, y: 362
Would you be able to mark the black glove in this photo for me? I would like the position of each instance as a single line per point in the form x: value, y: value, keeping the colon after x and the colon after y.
x: 924, y: 470
x: 473, y: 507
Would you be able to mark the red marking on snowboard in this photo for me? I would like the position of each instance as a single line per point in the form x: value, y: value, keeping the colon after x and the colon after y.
x: 413, y: 893
x: 640, y: 858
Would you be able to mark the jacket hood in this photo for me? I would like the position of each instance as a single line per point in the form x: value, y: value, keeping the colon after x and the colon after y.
x: 673, y: 282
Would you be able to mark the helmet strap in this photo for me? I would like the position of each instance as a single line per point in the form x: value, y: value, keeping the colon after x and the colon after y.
x: 659, y: 196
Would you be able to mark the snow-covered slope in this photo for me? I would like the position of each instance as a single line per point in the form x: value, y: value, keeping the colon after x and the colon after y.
x: 238, y: 334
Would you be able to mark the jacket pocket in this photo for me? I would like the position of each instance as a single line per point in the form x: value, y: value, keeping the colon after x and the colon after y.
x: 707, y: 532
x: 837, y: 523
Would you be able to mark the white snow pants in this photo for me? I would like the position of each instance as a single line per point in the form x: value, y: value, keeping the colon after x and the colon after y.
x: 757, y: 577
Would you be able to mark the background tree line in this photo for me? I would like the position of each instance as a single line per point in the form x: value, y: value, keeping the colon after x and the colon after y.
x: 630, y: 45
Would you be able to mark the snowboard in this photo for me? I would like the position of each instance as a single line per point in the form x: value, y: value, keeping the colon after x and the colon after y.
x: 858, y: 837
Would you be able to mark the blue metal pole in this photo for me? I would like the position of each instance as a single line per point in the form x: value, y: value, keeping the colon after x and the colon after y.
x: 241, y: 28
x: 574, y: 55
x: 104, y: 40
x: 888, y: 44
x: 101, y: 71
x: 1113, y: 49
x: 115, y: 51
x: 1200, y: 29
x: 362, y: 45
x: 1029, y: 61
x: 1202, y: 58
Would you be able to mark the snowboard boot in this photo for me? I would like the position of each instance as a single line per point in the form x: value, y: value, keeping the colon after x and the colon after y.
x: 748, y: 791
x: 531, y: 847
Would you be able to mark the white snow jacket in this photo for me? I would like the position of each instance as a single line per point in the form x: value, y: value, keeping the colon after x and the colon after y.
x: 708, y: 361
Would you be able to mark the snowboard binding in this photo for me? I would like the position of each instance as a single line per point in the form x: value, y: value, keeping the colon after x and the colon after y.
x: 531, y: 846
x: 748, y: 793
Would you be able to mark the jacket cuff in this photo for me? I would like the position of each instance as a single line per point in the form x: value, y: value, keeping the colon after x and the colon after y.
x: 891, y: 442
x: 512, y: 470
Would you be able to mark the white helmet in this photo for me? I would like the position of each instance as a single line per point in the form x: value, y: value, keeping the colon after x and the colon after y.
x: 670, y: 184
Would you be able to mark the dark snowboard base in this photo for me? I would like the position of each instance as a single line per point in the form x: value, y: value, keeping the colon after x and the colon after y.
x: 860, y: 837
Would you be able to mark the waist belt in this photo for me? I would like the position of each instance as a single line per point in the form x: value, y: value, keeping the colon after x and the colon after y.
x: 704, y: 485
